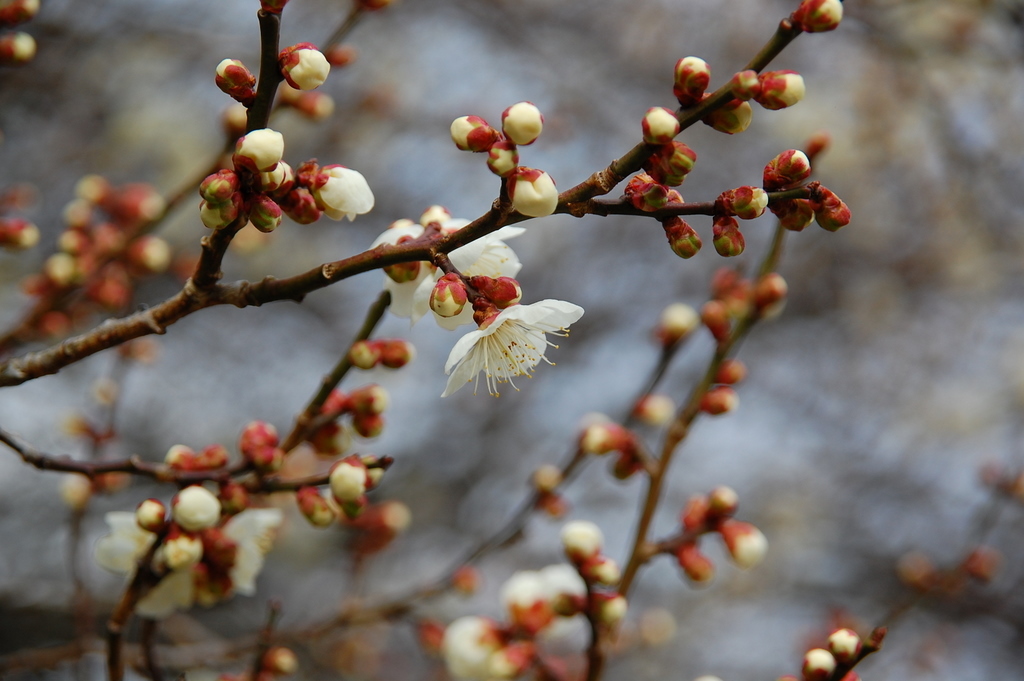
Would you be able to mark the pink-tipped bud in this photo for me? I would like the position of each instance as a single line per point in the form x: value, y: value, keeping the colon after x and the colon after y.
x: 211, y: 458
x: 259, y: 150
x: 273, y: 6
x: 16, y: 48
x: 547, y: 478
x: 746, y: 203
x: 697, y: 567
x: 331, y: 440
x: 770, y: 290
x: 503, y: 158
x: 195, y: 508
x: 151, y: 515
x: 731, y: 118
x: 236, y: 81
x: 845, y: 645
x: 403, y: 272
x: 278, y: 181
x: 829, y: 210
x: 695, y: 514
x: 780, y: 89
x: 265, y: 215
x: 745, y: 85
x: 316, y: 106
x: 364, y: 354
x: 816, y: 16
x: 449, y: 296
x: 793, y: 214
x: 472, y: 133
x: 983, y: 563
x: 368, y: 426
x: 645, y: 194
x: 682, y: 239
x: 220, y: 187
x: 218, y: 216
x: 314, y: 507
x: 611, y: 608
x: 533, y: 192
x: 396, y: 353
x: 605, y: 437
x: 511, y: 661
x: 150, y: 254
x: 692, y: 77
x: 234, y: 498
x: 466, y: 580
x: 349, y: 480
x: 522, y: 123
x: 670, y: 163
x: 723, y: 501
x: 677, y: 322
x: 300, y: 205
x: 180, y: 551
x: 601, y: 570
x: 728, y: 239
x: 180, y: 458
x: 746, y: 544
x: 304, y: 66
x: 280, y: 661
x: 342, y: 55
x: 719, y: 400
x: 655, y: 409
x: 582, y: 540
x: 786, y: 170
x: 818, y: 665
x: 660, y: 125
x: 257, y: 435
x: 14, y: 12
x: 502, y: 291
x: 370, y: 399
x: 18, y: 234
x: 731, y: 372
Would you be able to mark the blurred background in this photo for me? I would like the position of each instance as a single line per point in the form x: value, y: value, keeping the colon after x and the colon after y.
x: 873, y: 402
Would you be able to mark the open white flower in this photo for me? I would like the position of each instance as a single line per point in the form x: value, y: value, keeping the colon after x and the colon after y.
x: 251, y: 532
x: 512, y: 343
x: 488, y: 256
x: 343, y: 193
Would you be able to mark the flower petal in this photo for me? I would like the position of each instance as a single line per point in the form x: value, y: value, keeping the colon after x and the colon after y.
x: 252, y: 531
x: 176, y: 591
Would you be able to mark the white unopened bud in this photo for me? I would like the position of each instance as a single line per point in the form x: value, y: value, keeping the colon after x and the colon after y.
x: 660, y: 125
x: 263, y: 149
x: 818, y: 664
x: 522, y: 123
x: 348, y: 481
x: 678, y: 321
x: 533, y: 192
x: 746, y: 544
x: 613, y: 610
x: 305, y: 68
x: 195, y: 508
x: 151, y: 515
x: 75, y: 492
x: 181, y: 552
x: 845, y: 645
x: 582, y: 539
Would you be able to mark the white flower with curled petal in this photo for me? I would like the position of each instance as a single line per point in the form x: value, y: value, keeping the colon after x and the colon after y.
x: 251, y: 531
x: 342, y: 192
x: 509, y: 344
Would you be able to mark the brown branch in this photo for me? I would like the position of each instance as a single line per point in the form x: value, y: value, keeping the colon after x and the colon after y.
x: 270, y: 73
x: 147, y: 643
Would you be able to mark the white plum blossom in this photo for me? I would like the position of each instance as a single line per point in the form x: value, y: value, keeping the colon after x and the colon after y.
x: 488, y: 256
x: 250, y: 531
x: 509, y: 344
x: 345, y: 193
x: 468, y: 645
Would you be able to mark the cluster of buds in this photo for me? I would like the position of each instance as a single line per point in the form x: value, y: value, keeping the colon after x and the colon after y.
x: 645, y: 193
x: 843, y: 651
x: 450, y: 294
x: 531, y: 191
x: 365, y: 406
x: 316, y: 106
x: 101, y: 250
x: 583, y: 543
x: 603, y: 436
x: 377, y: 526
x: 277, y: 661
x: 258, y: 445
x: 788, y: 170
x: 546, y: 480
x: 351, y: 478
x: 713, y: 514
x: 262, y: 188
x: 17, y: 234
x: 17, y: 47
x: 393, y: 353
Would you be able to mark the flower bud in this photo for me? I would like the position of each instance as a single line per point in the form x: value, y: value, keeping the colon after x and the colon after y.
x: 533, y: 192
x: 220, y: 215
x: 278, y: 181
x: 368, y: 426
x: 18, y: 234
x: 14, y: 12
x: 195, y: 508
x: 982, y: 564
x: 604, y: 437
x: 655, y: 409
x: 547, y: 478
x: 150, y: 253
x: 304, y: 66
x: 682, y: 239
x: 342, y: 192
x: 728, y: 239
x: 601, y: 570
x: 746, y: 544
x: 348, y: 479
x: 280, y: 661
x: 677, y: 321
x: 522, y: 123
x: 62, y: 269
x: 395, y: 354
x: 265, y: 214
x: 660, y: 125
x: 236, y: 81
x: 75, y: 492
x: 503, y: 158
x: 219, y: 187
x: 151, y: 515
x: 342, y: 55
x: 692, y: 77
x: 770, y: 290
x: 257, y: 435
x: 370, y: 399
x: 316, y: 106
x: 16, y: 48
x: 502, y: 291
x: 829, y: 210
x: 731, y: 372
x: 472, y: 133
x: 818, y: 665
x: 731, y: 118
x: 364, y: 354
x: 466, y: 580
x: 670, y: 163
x: 844, y: 644
x: 786, y: 170
x: 723, y: 501
x: 331, y: 440
x: 314, y: 506
x: 780, y: 89
x: 715, y: 316
x: 719, y: 400
x: 611, y: 609
x: 697, y: 567
x: 448, y: 297
x: 259, y: 150
x: 745, y: 85
x: 582, y: 540
x: 211, y: 458
x: 234, y: 498
x: 299, y: 205
x: 181, y: 551
x: 816, y: 16
x: 180, y: 457
x: 273, y: 6
x: 793, y: 214
x: 746, y: 203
